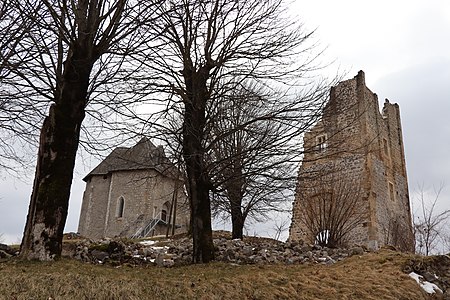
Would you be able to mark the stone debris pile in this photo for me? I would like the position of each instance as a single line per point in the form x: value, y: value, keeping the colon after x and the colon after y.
x: 170, y: 252
x: 6, y: 251
x: 434, y: 271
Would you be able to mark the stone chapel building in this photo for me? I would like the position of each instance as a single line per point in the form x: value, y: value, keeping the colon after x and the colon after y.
x: 355, y: 153
x: 130, y: 194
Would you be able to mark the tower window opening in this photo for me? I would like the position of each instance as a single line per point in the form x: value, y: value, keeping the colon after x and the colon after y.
x: 385, y: 147
x: 321, y: 142
x: 391, y: 191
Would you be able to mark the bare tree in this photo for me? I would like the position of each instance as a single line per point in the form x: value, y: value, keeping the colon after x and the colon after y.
x: 331, y: 207
x: 71, y: 50
x: 255, y: 149
x: 398, y: 235
x: 430, y: 225
x: 17, y: 123
x: 446, y: 240
x: 281, y: 225
x: 205, y: 49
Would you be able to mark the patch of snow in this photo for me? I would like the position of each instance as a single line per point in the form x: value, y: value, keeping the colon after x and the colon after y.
x: 136, y: 256
x: 147, y: 243
x: 428, y: 287
x: 160, y: 248
x: 152, y: 260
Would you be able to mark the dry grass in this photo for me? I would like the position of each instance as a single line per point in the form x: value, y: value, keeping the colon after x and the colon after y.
x: 371, y: 276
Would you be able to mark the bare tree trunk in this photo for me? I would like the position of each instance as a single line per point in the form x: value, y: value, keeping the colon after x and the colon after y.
x: 237, y: 221
x: 193, y: 152
x: 175, y: 203
x: 234, y: 188
x: 201, y: 220
x: 58, y: 146
x: 169, y: 219
x: 198, y: 186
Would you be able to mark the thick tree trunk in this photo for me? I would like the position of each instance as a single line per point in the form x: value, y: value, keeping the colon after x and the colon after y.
x: 234, y: 190
x: 235, y: 187
x: 237, y: 222
x: 59, y: 140
x: 193, y: 153
x: 198, y: 186
x: 203, y: 247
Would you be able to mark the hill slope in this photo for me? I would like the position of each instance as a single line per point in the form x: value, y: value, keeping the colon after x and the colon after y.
x: 368, y: 276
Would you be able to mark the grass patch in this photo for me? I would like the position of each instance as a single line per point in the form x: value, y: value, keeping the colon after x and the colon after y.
x: 100, y: 247
x: 370, y: 276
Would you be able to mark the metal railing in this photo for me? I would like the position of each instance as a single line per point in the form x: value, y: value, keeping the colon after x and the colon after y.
x: 145, y: 230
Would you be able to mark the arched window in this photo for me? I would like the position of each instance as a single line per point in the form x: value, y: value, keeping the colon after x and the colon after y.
x: 120, y: 207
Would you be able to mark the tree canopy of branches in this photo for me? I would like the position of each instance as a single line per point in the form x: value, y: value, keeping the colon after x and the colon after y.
x: 430, y: 225
x: 332, y: 207
x: 190, y: 55
x: 204, y: 50
x: 397, y: 234
x: 16, y: 122
x: 255, y: 147
x: 60, y: 64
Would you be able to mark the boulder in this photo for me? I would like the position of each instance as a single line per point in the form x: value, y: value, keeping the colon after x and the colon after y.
x: 356, y: 251
x: 100, y: 256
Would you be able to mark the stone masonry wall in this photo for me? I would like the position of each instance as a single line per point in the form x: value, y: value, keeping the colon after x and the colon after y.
x: 341, y: 124
x: 360, y: 143
x: 94, y: 205
x: 144, y: 192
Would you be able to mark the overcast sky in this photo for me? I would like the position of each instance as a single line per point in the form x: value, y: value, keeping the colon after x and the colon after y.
x: 403, y: 46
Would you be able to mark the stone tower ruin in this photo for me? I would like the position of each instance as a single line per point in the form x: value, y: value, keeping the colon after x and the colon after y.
x: 352, y: 183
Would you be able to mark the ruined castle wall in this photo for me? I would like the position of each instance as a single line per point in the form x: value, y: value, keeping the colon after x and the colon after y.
x: 391, y: 186
x: 384, y: 205
x: 344, y: 154
x: 353, y: 168
x: 387, y: 180
x: 361, y: 143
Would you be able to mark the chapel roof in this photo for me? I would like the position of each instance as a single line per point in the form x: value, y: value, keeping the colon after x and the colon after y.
x: 144, y: 155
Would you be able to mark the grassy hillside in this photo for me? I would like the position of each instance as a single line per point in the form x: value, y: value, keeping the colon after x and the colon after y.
x: 369, y: 276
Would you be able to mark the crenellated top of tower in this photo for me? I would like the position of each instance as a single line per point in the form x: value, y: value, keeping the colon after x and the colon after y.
x: 360, y: 78
x: 353, y: 94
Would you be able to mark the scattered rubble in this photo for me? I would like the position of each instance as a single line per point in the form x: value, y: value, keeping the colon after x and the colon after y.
x: 178, y: 251
x: 6, y: 251
x: 432, y: 273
